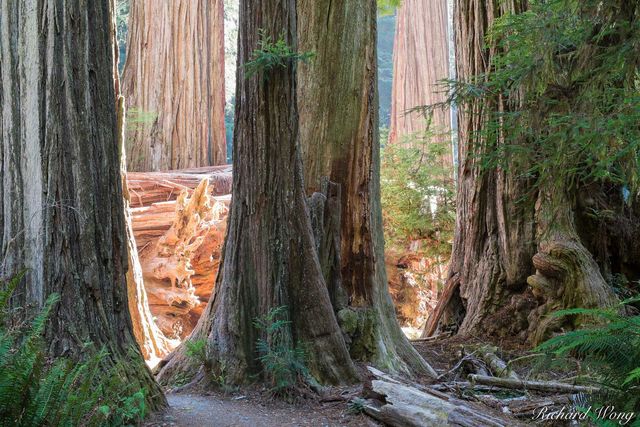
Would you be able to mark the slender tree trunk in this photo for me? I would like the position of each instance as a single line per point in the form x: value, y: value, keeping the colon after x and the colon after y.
x: 174, y: 84
x: 269, y: 258
x: 420, y: 61
x: 153, y: 343
x: 338, y: 104
x: 62, y: 196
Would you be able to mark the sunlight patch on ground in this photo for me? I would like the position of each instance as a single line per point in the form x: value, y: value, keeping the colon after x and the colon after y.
x: 411, y: 332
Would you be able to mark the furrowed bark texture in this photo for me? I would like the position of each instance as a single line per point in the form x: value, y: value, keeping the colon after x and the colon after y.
x: 269, y: 258
x: 338, y: 103
x: 495, y: 236
x: 173, y: 82
x: 504, y: 234
x: 62, y: 195
x: 420, y: 61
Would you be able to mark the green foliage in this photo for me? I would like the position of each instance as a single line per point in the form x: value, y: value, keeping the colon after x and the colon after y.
x: 283, y: 363
x: 569, y: 70
x: 138, y: 118
x: 35, y: 391
x: 388, y: 7
x: 5, y: 295
x: 271, y: 55
x: 418, y: 192
x: 197, y: 350
x: 356, y: 406
x: 611, y: 351
x: 122, y: 8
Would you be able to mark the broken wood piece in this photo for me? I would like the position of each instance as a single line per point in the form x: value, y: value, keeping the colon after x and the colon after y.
x: 498, y: 367
x: 412, y: 404
x: 526, y: 408
x: 406, y: 406
x: 180, y: 244
x: 543, y: 386
x: 458, y: 385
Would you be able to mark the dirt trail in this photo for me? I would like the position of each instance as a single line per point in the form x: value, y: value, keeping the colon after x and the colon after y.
x: 190, y: 410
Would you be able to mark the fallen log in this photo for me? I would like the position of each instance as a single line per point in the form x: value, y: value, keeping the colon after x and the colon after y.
x: 180, y: 244
x: 526, y: 406
x: 450, y: 288
x: 146, y: 188
x: 406, y: 405
x: 542, y: 386
x: 432, y: 338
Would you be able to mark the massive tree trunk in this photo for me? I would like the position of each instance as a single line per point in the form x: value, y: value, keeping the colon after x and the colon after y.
x: 517, y: 255
x: 174, y: 84
x: 269, y: 258
x: 420, y: 61
x: 62, y: 196
x: 338, y: 104
x: 495, y: 236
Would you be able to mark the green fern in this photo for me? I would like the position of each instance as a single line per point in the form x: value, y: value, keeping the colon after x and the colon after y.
x: 610, y: 351
x: 271, y: 55
x: 6, y: 293
x: 283, y: 363
x: 37, y: 392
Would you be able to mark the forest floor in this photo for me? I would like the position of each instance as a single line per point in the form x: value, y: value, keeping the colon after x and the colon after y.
x: 255, y: 407
x: 252, y: 410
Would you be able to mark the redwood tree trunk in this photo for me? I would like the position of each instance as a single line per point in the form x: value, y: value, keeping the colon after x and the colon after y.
x: 338, y: 104
x: 495, y: 236
x: 62, y: 196
x: 420, y: 61
x: 269, y: 258
x: 516, y: 256
x: 174, y: 84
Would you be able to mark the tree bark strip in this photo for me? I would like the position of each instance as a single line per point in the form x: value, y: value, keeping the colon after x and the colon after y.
x: 62, y: 201
x: 174, y: 84
x: 269, y: 259
x: 420, y: 61
x: 338, y: 103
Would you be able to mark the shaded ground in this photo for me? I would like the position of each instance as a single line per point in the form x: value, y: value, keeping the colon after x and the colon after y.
x: 255, y: 407
x: 240, y: 410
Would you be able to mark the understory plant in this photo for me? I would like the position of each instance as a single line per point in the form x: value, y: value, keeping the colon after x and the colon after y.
x: 197, y: 351
x: 273, y: 54
x: 283, y: 363
x: 37, y: 391
x: 609, y: 352
x: 418, y: 191
x: 418, y: 201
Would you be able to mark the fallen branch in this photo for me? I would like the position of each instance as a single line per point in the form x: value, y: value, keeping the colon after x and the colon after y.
x: 433, y: 338
x: 499, y: 367
x: 543, y: 386
x: 458, y: 385
x: 469, y: 358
